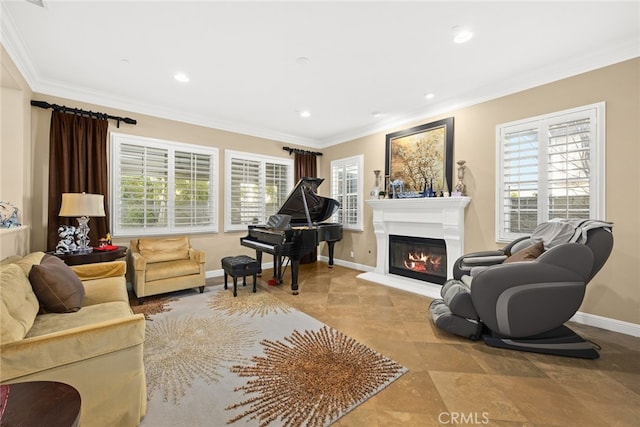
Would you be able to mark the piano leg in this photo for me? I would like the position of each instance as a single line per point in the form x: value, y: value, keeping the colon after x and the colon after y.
x: 277, y: 268
x: 295, y: 263
x: 331, y: 244
x: 259, y: 259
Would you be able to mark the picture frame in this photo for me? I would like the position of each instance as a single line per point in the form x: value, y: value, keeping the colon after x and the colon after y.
x: 421, y: 157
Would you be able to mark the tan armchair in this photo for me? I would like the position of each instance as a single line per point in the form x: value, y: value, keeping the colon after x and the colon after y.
x: 166, y: 264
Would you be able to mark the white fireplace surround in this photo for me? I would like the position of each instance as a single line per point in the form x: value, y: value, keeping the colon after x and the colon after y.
x: 432, y: 217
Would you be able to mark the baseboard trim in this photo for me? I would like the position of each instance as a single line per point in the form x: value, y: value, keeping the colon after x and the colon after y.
x: 607, y: 323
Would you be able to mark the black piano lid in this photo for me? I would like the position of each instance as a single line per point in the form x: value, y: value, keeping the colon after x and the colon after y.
x: 320, y: 208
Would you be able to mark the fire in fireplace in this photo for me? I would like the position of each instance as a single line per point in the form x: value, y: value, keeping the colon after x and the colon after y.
x: 419, y: 258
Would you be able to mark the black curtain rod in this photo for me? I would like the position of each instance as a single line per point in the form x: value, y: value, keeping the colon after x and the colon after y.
x: 65, y: 109
x: 297, y: 150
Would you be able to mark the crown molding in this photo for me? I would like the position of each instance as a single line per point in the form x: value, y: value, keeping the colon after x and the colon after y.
x: 549, y: 73
x: 588, y: 61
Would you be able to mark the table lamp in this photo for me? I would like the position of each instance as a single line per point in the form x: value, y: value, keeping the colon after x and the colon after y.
x: 83, y: 206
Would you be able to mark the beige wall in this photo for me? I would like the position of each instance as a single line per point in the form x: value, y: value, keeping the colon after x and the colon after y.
x: 15, y: 152
x: 216, y: 245
x: 615, y: 291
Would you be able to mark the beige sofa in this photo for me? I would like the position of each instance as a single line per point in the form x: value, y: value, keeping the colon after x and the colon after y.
x: 97, y: 349
x: 165, y: 264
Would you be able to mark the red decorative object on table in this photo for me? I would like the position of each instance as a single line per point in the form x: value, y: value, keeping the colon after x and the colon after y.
x: 106, y: 248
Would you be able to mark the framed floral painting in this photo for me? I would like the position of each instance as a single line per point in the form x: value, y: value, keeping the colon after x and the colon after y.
x: 422, y: 157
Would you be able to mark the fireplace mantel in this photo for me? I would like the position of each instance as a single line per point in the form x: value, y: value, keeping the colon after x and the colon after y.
x: 432, y: 217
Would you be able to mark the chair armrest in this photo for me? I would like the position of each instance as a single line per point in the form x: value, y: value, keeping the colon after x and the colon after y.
x: 463, y: 265
x: 139, y: 262
x: 484, y: 260
x: 35, y: 354
x: 197, y: 256
x: 100, y: 270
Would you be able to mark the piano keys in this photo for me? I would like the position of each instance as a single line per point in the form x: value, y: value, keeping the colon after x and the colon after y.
x: 296, y: 230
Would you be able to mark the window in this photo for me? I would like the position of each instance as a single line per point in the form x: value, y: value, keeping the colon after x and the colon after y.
x: 256, y: 188
x: 162, y: 187
x: 550, y: 166
x: 347, y: 188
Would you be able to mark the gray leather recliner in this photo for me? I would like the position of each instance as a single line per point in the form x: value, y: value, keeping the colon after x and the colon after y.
x: 524, y: 305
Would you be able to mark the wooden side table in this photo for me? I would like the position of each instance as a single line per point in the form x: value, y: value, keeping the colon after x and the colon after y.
x: 42, y: 403
x: 92, y: 257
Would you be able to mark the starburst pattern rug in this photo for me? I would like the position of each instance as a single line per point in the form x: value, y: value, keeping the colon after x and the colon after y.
x: 214, y: 360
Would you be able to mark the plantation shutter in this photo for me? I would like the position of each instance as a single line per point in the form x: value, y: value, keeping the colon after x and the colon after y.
x: 568, y: 168
x: 193, y: 198
x: 246, y: 191
x: 143, y: 187
x: 337, y: 191
x: 346, y: 188
x: 520, y: 178
x: 550, y: 167
x: 350, y: 214
x: 162, y: 187
x: 276, y: 185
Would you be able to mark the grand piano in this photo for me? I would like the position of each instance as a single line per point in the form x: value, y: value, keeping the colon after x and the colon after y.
x: 296, y: 229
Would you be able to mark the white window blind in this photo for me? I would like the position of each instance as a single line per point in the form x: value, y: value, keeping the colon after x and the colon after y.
x: 347, y: 188
x: 550, y: 166
x: 193, y: 195
x: 257, y: 186
x: 162, y: 187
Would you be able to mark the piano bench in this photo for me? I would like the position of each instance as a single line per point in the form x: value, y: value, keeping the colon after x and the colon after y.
x: 240, y: 266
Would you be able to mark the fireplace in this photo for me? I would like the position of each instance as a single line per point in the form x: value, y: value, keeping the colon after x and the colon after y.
x: 418, y: 258
x: 434, y: 218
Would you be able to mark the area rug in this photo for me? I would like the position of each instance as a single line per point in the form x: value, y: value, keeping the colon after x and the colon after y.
x: 214, y: 360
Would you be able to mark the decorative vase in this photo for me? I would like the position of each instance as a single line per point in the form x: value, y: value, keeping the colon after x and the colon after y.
x: 375, y: 191
x: 460, y: 186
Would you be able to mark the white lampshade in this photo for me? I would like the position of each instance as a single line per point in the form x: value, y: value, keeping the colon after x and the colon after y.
x: 82, y: 204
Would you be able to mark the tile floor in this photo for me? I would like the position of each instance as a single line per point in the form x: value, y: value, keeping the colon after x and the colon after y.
x: 453, y: 381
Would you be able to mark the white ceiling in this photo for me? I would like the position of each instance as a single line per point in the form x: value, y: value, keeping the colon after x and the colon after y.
x: 363, y: 57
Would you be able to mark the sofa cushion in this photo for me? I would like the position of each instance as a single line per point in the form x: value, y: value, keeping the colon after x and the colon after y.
x: 28, y: 261
x: 57, y: 287
x: 164, y: 249
x: 171, y: 269
x: 19, y: 305
x: 527, y: 254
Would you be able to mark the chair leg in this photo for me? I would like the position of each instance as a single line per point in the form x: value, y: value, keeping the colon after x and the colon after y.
x: 201, y: 288
x: 244, y: 280
x: 235, y: 286
x: 254, y: 283
x: 225, y: 280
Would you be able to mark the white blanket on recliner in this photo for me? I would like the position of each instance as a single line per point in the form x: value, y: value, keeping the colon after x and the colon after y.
x: 559, y: 230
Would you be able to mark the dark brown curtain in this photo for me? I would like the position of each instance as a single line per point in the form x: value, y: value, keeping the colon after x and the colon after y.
x: 77, y: 163
x: 305, y: 165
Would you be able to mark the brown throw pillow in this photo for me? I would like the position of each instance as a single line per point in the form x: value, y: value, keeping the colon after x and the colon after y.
x: 527, y: 254
x: 57, y: 287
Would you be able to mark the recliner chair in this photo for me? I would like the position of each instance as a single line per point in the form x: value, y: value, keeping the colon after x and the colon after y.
x: 523, y: 305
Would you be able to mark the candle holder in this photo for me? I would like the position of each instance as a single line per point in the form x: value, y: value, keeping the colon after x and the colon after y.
x: 461, y: 188
x: 375, y: 191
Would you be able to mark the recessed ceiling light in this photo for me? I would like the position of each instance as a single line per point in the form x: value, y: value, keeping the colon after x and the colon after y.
x: 305, y: 114
x: 302, y: 60
x: 376, y: 114
x: 461, y: 34
x: 430, y: 95
x: 181, y: 77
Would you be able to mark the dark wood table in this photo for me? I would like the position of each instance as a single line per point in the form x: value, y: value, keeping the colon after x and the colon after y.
x: 92, y: 257
x: 41, y: 403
